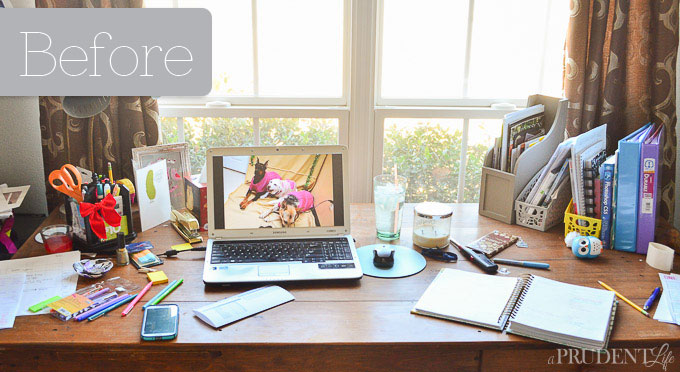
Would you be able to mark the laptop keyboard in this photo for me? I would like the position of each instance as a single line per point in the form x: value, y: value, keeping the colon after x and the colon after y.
x: 293, y: 250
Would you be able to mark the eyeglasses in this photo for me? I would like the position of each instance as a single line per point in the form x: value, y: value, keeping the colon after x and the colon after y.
x: 439, y: 255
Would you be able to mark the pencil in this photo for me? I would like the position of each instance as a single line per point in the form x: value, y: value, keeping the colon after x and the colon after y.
x: 167, y: 292
x: 110, y: 173
x: 629, y: 302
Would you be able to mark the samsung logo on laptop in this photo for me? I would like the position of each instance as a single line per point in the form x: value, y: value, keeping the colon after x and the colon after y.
x: 280, y: 232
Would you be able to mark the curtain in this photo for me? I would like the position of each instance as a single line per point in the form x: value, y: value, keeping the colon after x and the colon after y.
x: 620, y: 70
x: 92, y: 143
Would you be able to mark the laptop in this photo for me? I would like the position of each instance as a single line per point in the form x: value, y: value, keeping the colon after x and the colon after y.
x: 278, y: 214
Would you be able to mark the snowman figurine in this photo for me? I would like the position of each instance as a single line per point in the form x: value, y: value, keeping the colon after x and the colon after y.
x: 583, y: 246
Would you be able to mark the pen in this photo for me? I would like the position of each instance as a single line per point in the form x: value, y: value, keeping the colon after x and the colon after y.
x: 629, y: 302
x: 167, y: 291
x: 478, y: 259
x: 101, y: 307
x: 103, y: 312
x: 133, y: 303
x: 652, y: 298
x: 531, y: 264
x: 159, y: 294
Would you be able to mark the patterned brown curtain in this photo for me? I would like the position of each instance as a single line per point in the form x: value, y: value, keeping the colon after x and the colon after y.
x: 620, y: 70
x: 108, y: 137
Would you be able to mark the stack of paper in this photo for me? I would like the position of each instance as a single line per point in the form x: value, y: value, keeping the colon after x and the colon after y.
x: 10, y: 292
x: 46, y: 277
x: 668, y: 309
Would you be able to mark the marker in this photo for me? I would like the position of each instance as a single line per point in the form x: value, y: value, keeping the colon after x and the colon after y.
x: 133, y: 303
x: 103, y: 312
x: 101, y: 307
x: 629, y: 302
x: 530, y: 264
x: 652, y: 298
x: 159, y: 294
x: 167, y: 292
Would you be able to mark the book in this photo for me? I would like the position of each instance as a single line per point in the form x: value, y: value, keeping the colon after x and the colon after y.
x: 493, y: 242
x: 607, y: 189
x: 586, y: 146
x: 612, y: 234
x: 530, y: 306
x: 628, y: 186
x: 649, y: 187
x: 562, y: 175
x: 549, y: 172
x: 520, y: 127
x: 591, y: 175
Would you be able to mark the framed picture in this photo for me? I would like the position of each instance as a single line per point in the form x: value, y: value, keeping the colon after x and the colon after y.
x: 176, y: 156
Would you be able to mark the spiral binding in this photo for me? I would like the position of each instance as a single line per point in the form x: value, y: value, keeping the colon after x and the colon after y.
x: 516, y: 298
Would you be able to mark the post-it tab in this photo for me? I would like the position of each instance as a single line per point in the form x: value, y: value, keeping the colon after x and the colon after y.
x: 181, y: 247
x: 157, y: 277
x: 41, y: 305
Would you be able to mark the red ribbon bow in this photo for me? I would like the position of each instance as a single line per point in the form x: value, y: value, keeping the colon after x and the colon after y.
x: 101, y: 212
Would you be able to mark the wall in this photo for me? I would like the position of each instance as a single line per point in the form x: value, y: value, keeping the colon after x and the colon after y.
x: 21, y: 150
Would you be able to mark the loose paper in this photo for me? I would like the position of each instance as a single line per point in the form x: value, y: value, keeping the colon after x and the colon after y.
x: 46, y: 277
x: 153, y: 194
x: 10, y: 293
x: 671, y: 288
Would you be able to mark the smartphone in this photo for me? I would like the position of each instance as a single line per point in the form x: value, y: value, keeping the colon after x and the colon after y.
x: 161, y: 322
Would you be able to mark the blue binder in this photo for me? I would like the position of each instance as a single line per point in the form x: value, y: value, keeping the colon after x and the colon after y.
x: 627, y: 193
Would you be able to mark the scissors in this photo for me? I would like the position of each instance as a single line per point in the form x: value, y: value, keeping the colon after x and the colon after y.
x: 68, y: 186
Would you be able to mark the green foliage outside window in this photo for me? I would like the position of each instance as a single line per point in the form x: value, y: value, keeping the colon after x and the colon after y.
x: 428, y: 154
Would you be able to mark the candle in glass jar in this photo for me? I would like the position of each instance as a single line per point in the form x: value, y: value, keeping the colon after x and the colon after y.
x: 432, y: 225
x: 430, y: 237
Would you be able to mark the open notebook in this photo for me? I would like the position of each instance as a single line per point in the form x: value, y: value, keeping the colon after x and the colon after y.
x: 529, y: 306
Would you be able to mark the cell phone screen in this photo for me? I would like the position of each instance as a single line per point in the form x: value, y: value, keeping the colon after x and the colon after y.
x: 160, y: 320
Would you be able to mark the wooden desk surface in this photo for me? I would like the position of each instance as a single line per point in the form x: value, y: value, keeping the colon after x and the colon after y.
x: 363, y: 325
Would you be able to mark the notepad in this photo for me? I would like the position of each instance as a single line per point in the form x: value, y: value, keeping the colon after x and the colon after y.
x: 243, y: 305
x: 529, y: 306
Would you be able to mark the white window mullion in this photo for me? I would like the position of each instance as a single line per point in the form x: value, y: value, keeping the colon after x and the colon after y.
x: 256, y: 68
x: 468, y: 48
x: 256, y: 131
x: 180, y: 129
x: 463, y: 161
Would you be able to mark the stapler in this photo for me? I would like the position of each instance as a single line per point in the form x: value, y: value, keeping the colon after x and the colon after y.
x: 186, y: 225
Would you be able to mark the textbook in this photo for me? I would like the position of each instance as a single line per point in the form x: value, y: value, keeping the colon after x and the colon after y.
x: 607, y: 180
x: 649, y: 187
x: 628, y: 187
x: 530, y: 306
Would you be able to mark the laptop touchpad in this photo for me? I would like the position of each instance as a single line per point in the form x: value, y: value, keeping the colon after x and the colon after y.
x: 274, y: 270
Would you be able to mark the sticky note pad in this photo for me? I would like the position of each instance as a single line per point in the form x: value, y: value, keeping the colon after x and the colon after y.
x: 157, y: 277
x: 181, y: 247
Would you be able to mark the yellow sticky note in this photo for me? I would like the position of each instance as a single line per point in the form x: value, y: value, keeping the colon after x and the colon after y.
x: 157, y: 277
x: 181, y: 247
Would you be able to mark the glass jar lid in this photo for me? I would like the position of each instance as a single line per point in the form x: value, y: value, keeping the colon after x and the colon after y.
x: 433, y: 210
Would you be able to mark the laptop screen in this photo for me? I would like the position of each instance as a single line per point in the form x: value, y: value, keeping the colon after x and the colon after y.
x: 277, y: 191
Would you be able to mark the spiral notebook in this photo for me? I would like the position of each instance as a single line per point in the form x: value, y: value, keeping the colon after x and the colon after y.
x: 530, y: 306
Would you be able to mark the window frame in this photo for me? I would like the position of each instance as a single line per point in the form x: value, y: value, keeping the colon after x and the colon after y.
x: 361, y: 112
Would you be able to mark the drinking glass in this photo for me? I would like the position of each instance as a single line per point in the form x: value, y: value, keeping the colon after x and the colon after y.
x: 57, y: 238
x: 389, y: 192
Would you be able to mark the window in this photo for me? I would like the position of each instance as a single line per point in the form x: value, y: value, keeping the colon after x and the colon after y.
x: 440, y: 65
x: 401, y: 82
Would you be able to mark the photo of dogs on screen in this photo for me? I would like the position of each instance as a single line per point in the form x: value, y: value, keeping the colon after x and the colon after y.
x: 275, y: 191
